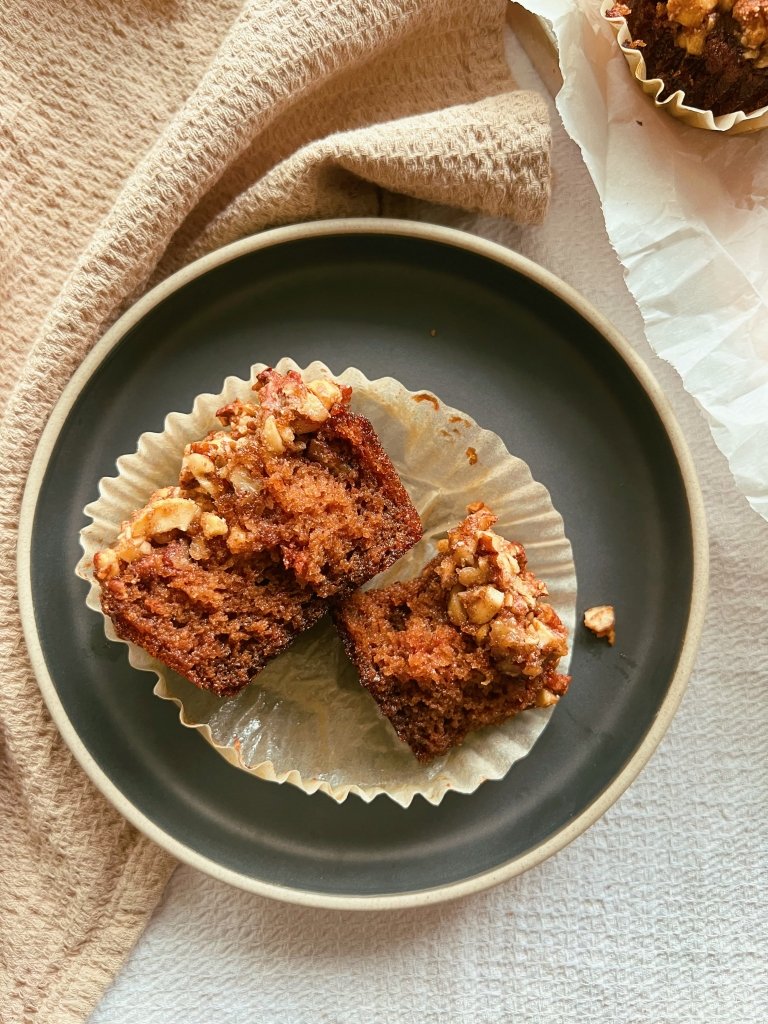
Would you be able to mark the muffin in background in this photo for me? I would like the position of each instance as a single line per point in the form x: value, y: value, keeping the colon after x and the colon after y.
x: 697, y: 56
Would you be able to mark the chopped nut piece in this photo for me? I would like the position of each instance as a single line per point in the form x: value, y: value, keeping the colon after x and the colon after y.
x: 286, y: 433
x: 127, y: 550
x: 312, y: 413
x: 753, y: 17
x: 237, y: 540
x: 163, y: 516
x: 489, y: 543
x: 212, y: 525
x: 507, y: 635
x: 524, y: 590
x: 271, y: 436
x: 107, y: 563
x: 328, y: 392
x: 201, y: 468
x: 545, y: 698
x: 508, y: 565
x: 241, y: 480
x: 690, y: 13
x: 547, y: 639
x: 456, y: 612
x: 481, y: 603
x: 464, y: 553
x: 602, y: 621
x: 198, y: 549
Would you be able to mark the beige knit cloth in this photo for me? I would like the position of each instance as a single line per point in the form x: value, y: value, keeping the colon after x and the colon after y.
x: 136, y: 135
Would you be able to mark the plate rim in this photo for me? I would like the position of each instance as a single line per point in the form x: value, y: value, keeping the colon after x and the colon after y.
x: 699, y: 544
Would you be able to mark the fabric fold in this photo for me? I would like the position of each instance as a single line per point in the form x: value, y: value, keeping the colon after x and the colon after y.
x: 136, y: 137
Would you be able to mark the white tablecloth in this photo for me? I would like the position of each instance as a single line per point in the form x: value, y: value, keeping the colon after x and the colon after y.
x: 658, y: 914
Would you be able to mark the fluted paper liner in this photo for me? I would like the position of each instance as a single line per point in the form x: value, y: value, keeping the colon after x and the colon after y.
x: 306, y: 719
x: 737, y: 123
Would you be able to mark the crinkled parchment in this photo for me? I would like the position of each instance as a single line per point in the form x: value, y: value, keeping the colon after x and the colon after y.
x: 306, y: 719
x: 687, y: 213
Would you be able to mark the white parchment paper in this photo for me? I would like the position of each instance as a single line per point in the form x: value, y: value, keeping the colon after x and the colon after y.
x: 306, y: 719
x: 687, y: 212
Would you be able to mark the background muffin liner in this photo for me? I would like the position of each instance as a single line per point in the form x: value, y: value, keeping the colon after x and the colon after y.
x: 736, y: 123
x: 306, y: 719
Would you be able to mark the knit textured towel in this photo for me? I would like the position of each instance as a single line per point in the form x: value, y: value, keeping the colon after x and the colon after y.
x: 135, y: 136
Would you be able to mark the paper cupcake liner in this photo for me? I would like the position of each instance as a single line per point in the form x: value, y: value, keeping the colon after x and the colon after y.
x: 306, y: 719
x: 737, y: 123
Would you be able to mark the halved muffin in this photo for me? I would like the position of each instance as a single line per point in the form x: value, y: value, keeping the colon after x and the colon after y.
x: 292, y: 504
x: 468, y: 643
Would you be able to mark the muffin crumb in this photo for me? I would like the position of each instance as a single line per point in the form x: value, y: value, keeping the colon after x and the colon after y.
x: 601, y: 620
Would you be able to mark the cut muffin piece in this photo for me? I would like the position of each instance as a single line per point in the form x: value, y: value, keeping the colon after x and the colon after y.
x: 300, y: 475
x: 293, y: 504
x: 468, y: 643
x: 171, y: 585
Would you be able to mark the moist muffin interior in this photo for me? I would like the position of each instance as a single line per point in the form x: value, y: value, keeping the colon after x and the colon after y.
x: 292, y: 504
x: 468, y: 643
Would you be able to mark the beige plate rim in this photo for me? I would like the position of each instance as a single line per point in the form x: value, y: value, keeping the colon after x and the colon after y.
x: 678, y: 683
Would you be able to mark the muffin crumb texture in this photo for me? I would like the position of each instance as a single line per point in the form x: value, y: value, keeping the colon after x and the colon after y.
x: 715, y: 51
x: 292, y: 504
x: 468, y: 643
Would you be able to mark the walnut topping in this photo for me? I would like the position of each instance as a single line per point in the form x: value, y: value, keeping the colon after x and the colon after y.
x: 327, y: 391
x: 481, y: 603
x: 163, y: 516
x: 106, y: 564
x: 456, y: 612
x: 545, y: 698
x: 695, y: 19
x: 495, y: 600
x: 199, y: 467
x: 166, y: 513
x: 237, y: 540
x: 271, y: 436
x: 234, y: 458
x: 242, y: 480
x: 286, y: 408
x: 690, y: 13
x: 212, y: 525
x: 692, y: 40
x: 547, y: 638
x: 752, y: 15
x: 312, y: 413
x: 302, y: 407
x: 601, y: 620
x: 470, y: 575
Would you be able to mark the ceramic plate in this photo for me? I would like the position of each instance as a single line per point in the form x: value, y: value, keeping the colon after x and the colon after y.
x: 493, y: 335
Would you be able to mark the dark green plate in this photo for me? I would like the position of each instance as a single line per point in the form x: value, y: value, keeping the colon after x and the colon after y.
x: 529, y: 359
